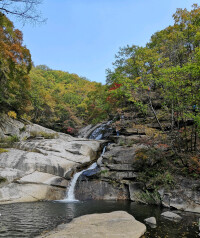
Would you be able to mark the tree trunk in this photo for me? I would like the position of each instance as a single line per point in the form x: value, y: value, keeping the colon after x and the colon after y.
x: 151, y: 106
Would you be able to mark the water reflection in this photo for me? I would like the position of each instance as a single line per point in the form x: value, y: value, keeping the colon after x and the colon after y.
x: 30, y: 219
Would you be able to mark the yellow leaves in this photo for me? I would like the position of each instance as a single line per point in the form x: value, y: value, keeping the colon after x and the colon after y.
x: 12, y: 114
x: 3, y: 150
x: 140, y: 155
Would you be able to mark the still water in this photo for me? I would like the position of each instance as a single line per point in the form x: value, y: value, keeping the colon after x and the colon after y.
x: 31, y: 219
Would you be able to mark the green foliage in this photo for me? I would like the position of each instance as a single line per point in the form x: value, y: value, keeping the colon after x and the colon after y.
x: 168, y: 65
x: 149, y: 197
x: 3, y: 180
x: 155, y: 168
x: 8, y: 141
x: 15, y: 64
x: 103, y: 172
x: 3, y: 150
x: 121, y: 142
x: 44, y: 134
x: 155, y: 179
x: 22, y: 129
x: 58, y: 99
x: 12, y: 139
x: 146, y: 158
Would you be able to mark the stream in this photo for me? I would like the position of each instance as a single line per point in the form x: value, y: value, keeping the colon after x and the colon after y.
x: 31, y: 219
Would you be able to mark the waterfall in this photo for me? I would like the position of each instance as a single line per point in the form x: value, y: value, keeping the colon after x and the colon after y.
x: 97, y: 135
x: 70, y: 194
x: 70, y: 197
x: 104, y: 130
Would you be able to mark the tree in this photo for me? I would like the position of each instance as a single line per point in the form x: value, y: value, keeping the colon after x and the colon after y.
x: 15, y: 64
x: 168, y: 66
x: 24, y: 10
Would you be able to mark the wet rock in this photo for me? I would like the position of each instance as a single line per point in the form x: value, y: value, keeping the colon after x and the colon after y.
x: 90, y: 174
x: 151, y: 221
x: 171, y: 215
x: 97, y: 132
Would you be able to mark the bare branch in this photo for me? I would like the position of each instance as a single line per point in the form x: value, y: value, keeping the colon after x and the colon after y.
x: 24, y: 10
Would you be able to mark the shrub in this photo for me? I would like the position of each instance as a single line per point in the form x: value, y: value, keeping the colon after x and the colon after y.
x: 3, y: 150
x: 2, y: 179
x: 12, y: 114
x: 8, y: 141
x: 22, y: 129
x: 49, y: 135
x: 44, y: 134
x: 149, y: 197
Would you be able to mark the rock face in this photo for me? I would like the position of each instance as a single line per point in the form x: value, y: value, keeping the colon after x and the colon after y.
x: 101, y: 190
x: 99, y: 131
x: 113, y: 179
x: 39, y: 168
x: 108, y: 225
x: 185, y: 196
x: 117, y: 175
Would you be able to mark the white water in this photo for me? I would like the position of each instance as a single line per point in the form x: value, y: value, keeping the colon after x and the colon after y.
x: 70, y: 197
x: 70, y: 194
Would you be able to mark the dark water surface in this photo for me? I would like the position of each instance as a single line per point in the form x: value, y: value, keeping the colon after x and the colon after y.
x: 31, y: 219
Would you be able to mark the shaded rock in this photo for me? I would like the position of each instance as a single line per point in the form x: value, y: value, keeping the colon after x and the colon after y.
x: 108, y: 225
x: 151, y: 221
x: 90, y: 174
x: 131, y: 139
x: 101, y: 190
x: 134, y: 131
x: 86, y: 131
x: 118, y: 175
x: 135, y: 189
x: 171, y: 215
x: 99, y: 131
x: 186, y: 195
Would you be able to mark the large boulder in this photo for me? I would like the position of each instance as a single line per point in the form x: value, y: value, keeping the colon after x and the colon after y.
x: 108, y: 225
x: 39, y: 168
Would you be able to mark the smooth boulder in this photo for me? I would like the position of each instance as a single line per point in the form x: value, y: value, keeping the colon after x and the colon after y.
x: 40, y: 165
x: 117, y: 224
x: 171, y: 216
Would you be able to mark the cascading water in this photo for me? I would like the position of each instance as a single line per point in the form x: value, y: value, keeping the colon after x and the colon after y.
x: 70, y: 194
x: 97, y: 135
x: 104, y: 130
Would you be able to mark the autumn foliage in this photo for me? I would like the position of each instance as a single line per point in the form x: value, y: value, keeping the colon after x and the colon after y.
x: 15, y: 64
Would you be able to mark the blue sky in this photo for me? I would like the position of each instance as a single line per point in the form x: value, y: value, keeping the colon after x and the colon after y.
x: 83, y: 36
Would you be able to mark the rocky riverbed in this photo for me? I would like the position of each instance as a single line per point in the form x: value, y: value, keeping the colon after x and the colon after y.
x: 41, y: 164
x: 119, y: 176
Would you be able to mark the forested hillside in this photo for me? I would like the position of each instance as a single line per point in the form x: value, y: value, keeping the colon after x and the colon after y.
x: 167, y: 69
x: 52, y: 98
x: 58, y: 99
